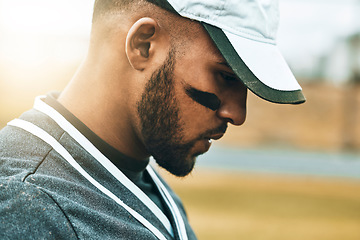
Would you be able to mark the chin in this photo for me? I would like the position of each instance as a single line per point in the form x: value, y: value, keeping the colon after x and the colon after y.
x: 180, y: 159
x: 186, y: 168
x: 179, y: 167
x: 186, y: 165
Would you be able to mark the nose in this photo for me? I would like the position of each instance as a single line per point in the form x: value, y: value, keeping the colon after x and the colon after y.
x: 233, y: 106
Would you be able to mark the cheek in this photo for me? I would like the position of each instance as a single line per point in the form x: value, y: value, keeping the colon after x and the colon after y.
x: 194, y: 117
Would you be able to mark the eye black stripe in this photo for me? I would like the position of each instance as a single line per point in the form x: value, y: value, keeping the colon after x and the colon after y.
x: 208, y: 100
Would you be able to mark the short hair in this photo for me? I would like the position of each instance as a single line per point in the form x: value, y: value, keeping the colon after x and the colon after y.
x: 104, y: 7
x: 104, y: 10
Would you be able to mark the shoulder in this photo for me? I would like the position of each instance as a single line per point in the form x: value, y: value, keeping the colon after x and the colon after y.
x: 27, y: 212
x: 21, y: 152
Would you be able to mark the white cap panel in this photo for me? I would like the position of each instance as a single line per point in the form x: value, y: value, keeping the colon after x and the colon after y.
x: 254, y: 19
x: 266, y: 63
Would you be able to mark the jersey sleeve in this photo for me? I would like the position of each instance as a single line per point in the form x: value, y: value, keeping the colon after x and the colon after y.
x: 27, y: 212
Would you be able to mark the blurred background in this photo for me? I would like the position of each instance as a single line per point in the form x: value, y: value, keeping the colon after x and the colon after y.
x: 291, y: 172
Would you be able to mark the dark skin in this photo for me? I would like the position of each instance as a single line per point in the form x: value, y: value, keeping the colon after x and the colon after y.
x: 107, y: 89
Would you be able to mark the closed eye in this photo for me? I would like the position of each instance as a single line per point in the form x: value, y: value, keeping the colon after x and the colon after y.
x: 229, y: 78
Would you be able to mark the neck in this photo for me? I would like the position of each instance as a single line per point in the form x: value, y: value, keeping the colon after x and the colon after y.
x: 97, y: 96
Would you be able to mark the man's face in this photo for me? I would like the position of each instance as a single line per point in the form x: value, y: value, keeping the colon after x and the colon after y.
x: 187, y: 102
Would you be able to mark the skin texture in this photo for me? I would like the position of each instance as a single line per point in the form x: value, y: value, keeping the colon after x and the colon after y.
x: 132, y: 89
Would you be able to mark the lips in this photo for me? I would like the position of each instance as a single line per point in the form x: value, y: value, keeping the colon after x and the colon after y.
x: 207, y: 142
x: 216, y: 136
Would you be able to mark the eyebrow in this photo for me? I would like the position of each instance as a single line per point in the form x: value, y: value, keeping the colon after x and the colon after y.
x: 223, y: 62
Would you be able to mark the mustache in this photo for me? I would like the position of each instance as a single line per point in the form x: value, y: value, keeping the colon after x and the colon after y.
x: 221, y: 129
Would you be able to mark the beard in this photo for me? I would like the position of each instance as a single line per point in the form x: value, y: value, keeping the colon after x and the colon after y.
x: 161, y: 126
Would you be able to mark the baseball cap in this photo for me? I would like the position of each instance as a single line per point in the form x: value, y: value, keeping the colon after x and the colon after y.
x: 245, y: 31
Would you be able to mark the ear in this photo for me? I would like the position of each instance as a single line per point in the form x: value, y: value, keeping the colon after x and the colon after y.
x: 143, y: 41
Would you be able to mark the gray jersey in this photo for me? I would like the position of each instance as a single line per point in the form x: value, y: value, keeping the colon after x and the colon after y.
x: 44, y: 195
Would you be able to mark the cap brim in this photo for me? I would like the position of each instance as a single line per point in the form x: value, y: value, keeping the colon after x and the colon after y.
x: 260, y: 66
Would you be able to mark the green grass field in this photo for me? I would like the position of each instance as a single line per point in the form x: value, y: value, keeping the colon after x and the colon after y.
x: 270, y: 207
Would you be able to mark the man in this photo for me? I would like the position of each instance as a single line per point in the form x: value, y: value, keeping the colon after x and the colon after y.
x: 162, y: 79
